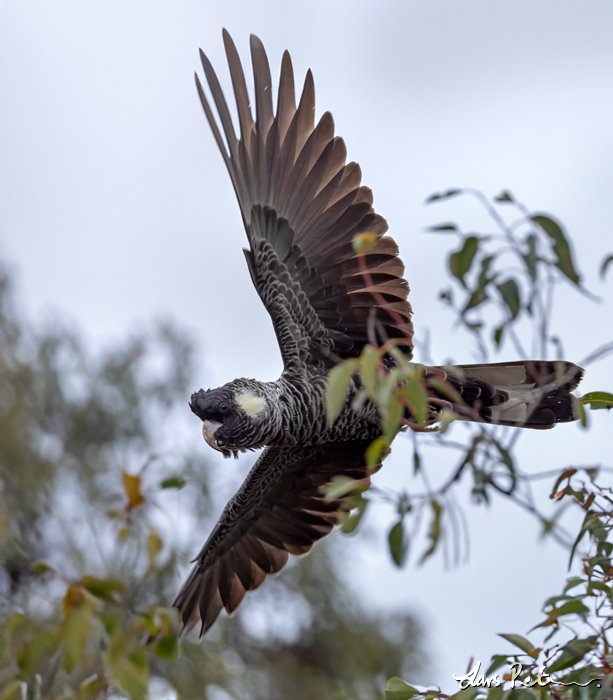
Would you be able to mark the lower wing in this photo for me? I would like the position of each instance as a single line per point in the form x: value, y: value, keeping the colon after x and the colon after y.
x: 279, y: 510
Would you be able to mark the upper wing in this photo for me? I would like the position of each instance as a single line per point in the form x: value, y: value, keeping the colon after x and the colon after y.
x: 278, y: 510
x: 302, y: 206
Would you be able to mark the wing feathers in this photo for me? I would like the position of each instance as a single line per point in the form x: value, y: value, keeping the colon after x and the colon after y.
x: 286, y: 104
x: 240, y: 89
x: 278, y: 511
x: 263, y: 86
x: 213, y: 123
x: 305, y: 114
x: 288, y: 164
x: 220, y: 103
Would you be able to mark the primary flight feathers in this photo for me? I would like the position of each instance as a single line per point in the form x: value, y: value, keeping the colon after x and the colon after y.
x: 296, y: 191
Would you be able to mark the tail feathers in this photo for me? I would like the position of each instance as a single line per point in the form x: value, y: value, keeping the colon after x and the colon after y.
x: 529, y: 394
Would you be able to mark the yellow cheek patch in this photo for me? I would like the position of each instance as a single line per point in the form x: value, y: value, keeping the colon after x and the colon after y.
x: 251, y: 404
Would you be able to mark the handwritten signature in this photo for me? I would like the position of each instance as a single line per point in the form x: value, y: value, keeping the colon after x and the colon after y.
x: 542, y: 679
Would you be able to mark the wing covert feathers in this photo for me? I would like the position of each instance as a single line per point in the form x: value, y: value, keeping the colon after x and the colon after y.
x: 287, y: 170
x: 279, y: 510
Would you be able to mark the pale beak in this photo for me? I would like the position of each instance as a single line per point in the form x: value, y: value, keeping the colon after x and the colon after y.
x: 209, y: 428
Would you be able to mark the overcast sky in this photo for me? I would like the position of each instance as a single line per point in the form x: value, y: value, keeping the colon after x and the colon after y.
x: 116, y: 207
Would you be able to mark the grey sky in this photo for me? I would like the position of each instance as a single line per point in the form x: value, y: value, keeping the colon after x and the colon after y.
x: 115, y: 205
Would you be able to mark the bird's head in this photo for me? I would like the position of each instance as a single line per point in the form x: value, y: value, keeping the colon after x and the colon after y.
x: 230, y: 416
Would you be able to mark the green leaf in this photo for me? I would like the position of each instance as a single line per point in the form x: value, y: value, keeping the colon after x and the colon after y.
x: 167, y: 648
x: 495, y: 692
x: 496, y: 662
x: 154, y: 546
x: 505, y: 457
x: 589, y: 517
x: 597, y: 399
x: 519, y: 641
x: 600, y: 586
x: 435, y: 530
x: 479, y: 295
x: 509, y: 291
x: 442, y: 227
x: 476, y: 299
x: 416, y: 460
x: 403, y: 361
x: 572, y: 607
x: 554, y: 599
x: 579, y: 410
x: 504, y: 196
x: 78, y: 612
x: 392, y: 417
x: 368, y: 370
x: 397, y: 689
x: 173, y: 482
x: 110, y: 618
x: 521, y: 694
x: 342, y: 486
x: 461, y: 261
x: 13, y: 691
x: 363, y: 241
x: 469, y: 693
x: 104, y: 589
x: 128, y: 666
x: 572, y: 583
x: 605, y: 264
x: 41, y: 567
x: 377, y: 451
x: 398, y: 542
x: 561, y: 246
x: 443, y: 195
x: 444, y: 388
x: 349, y: 520
x: 417, y: 396
x: 531, y: 257
x: 387, y: 386
x: 337, y: 387
x: 572, y: 653
x: 93, y: 687
x: 41, y: 646
x: 498, y: 335
x: 566, y: 474
x: 446, y: 419
x: 158, y: 621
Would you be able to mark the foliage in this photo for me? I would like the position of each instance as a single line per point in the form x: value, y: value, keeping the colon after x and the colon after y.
x: 93, y: 472
x: 581, y: 666
x: 504, y: 284
x: 99, y: 499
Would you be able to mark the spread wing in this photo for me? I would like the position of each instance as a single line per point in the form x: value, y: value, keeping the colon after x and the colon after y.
x: 302, y: 205
x: 278, y: 510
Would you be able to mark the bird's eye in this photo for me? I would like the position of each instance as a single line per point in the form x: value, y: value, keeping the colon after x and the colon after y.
x: 223, y: 407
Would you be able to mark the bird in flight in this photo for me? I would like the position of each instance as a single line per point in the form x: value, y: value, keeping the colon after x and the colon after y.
x: 302, y: 206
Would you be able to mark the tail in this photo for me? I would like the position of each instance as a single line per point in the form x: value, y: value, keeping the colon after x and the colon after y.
x: 527, y: 394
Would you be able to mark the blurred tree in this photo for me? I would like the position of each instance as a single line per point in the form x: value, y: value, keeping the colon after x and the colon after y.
x: 92, y: 472
x: 91, y: 465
